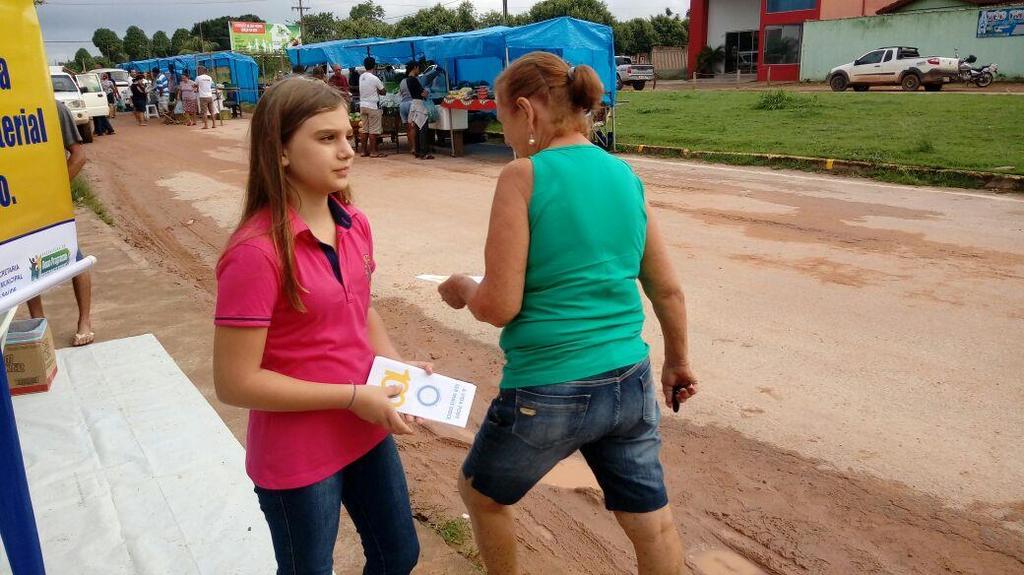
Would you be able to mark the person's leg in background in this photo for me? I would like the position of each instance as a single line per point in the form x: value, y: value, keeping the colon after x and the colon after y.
x: 423, y: 143
x: 204, y: 105
x: 82, y: 285
x: 364, y: 129
x: 304, y: 525
x: 410, y: 128
x: 376, y: 129
x: 376, y: 496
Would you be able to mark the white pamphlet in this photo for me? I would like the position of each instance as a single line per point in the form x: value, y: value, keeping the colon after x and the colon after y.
x: 433, y: 397
x: 441, y: 279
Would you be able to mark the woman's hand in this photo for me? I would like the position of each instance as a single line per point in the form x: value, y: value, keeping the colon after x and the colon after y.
x: 678, y: 374
x: 427, y: 367
x: 373, y: 404
x: 452, y: 290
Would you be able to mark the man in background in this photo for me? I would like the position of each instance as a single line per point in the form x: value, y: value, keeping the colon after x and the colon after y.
x: 204, y: 84
x: 82, y: 283
x: 370, y: 91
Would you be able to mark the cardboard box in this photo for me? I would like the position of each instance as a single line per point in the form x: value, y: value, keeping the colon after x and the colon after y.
x: 29, y: 357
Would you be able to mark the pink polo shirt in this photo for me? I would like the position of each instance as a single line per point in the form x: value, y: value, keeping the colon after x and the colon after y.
x: 328, y: 344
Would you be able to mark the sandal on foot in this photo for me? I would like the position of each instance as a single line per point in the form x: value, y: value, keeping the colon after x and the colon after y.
x: 81, y: 339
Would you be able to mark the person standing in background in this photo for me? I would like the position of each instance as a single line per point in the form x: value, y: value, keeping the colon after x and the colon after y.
x: 139, y: 99
x: 82, y: 283
x: 110, y: 89
x: 411, y: 69
x: 418, y: 114
x: 204, y: 85
x: 188, y: 94
x: 353, y: 86
x: 339, y: 82
x: 370, y: 91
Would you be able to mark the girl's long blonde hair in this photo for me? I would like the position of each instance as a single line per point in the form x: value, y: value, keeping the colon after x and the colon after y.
x: 280, y: 112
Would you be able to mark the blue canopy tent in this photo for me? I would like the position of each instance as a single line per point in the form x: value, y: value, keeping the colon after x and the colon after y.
x: 476, y: 56
x: 350, y: 53
x: 242, y: 69
x: 342, y: 52
x: 576, y: 41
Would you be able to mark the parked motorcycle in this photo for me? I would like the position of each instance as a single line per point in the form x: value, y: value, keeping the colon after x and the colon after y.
x: 980, y: 76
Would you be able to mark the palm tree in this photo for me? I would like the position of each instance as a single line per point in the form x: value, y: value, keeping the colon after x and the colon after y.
x: 707, y: 58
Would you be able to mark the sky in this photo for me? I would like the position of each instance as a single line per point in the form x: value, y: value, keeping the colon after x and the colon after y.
x: 68, y: 24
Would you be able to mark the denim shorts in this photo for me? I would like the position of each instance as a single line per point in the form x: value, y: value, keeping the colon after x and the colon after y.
x: 611, y: 418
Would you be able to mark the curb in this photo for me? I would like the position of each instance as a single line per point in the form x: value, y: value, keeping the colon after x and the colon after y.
x: 988, y: 180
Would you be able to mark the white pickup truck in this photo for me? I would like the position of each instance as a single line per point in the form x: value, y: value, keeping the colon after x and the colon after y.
x: 636, y: 75
x: 894, y: 66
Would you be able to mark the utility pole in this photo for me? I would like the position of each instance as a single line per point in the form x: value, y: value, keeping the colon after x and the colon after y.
x: 302, y: 13
x: 504, y: 11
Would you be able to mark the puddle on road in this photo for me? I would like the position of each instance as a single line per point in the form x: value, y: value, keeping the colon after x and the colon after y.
x: 571, y: 473
x: 214, y: 199
x: 721, y: 562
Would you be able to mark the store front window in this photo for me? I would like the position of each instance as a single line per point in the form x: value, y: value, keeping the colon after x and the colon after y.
x: 782, y: 44
x: 775, y: 6
x: 741, y: 50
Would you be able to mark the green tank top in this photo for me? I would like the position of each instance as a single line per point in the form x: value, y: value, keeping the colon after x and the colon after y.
x: 581, y: 313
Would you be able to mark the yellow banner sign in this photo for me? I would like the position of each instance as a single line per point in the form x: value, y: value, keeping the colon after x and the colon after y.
x: 37, y: 228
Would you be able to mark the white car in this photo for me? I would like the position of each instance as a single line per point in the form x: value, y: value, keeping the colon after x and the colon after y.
x: 894, y: 66
x: 66, y: 90
x: 636, y: 75
x: 121, y: 80
x: 93, y: 94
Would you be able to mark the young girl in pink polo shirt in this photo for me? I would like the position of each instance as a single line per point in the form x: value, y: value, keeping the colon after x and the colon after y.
x: 296, y: 336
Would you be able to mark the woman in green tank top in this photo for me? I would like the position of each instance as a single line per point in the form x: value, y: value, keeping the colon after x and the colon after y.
x: 570, y: 235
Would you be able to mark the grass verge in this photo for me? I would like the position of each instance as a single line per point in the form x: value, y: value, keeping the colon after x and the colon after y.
x: 951, y: 131
x: 81, y: 193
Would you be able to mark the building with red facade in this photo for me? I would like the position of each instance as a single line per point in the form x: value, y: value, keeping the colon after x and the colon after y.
x: 762, y: 37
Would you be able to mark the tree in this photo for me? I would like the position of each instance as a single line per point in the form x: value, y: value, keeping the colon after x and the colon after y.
x: 592, y: 10
x: 197, y: 46
x: 496, y: 18
x: 438, y: 20
x: 319, y: 27
x: 108, y: 42
x: 216, y: 30
x: 83, y: 60
x: 179, y: 40
x: 162, y: 45
x: 366, y: 11
x: 670, y: 29
x: 708, y: 57
x: 136, y: 44
x: 636, y: 36
x: 364, y: 28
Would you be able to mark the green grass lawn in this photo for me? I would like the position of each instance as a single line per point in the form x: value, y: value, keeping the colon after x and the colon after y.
x: 961, y: 131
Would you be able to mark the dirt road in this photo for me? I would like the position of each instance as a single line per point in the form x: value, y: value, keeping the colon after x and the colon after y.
x: 857, y: 342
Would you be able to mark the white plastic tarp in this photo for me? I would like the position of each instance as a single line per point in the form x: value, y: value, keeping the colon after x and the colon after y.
x: 132, y: 471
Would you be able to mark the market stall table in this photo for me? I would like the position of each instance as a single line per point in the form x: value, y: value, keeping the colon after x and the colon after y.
x: 454, y: 119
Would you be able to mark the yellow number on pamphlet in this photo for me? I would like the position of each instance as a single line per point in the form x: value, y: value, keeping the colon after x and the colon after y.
x: 399, y: 378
